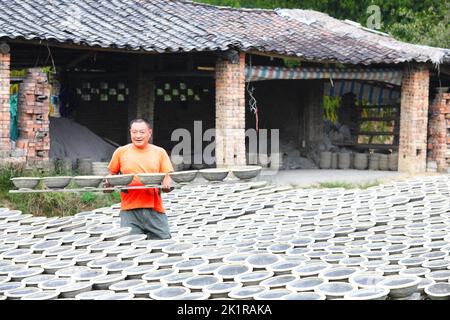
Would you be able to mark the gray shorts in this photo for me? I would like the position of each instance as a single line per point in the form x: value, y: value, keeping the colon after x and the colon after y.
x: 146, y: 221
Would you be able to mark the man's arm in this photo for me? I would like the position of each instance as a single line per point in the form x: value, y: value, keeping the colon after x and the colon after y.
x: 114, y: 168
x: 166, y: 167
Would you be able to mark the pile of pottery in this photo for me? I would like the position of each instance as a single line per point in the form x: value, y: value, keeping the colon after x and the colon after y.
x: 360, y: 161
x: 89, y: 181
x: 247, y: 240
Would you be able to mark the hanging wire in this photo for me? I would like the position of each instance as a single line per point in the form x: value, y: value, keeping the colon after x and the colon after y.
x: 252, y: 103
x: 51, y: 57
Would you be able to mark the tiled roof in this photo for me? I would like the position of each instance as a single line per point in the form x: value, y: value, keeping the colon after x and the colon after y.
x: 182, y: 26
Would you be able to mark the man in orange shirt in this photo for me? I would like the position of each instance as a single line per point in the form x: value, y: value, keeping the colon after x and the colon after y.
x: 142, y: 209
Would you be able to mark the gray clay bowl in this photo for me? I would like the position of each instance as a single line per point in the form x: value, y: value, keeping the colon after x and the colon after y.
x: 145, y: 289
x: 400, y: 286
x: 104, y: 282
x: 335, y: 289
x: 91, y: 295
x: 183, y: 176
x: 438, y: 291
x: 246, y: 172
x: 56, y: 182
x: 214, y: 174
x: 304, y: 296
x: 372, y: 293
x: 169, y: 293
x: 72, y: 290
x: 17, y: 294
x: 276, y: 294
x: 199, y: 282
x: 246, y: 293
x: 254, y: 278
x: 120, y: 179
x: 305, y: 284
x: 43, y: 295
x: 151, y: 178
x: 116, y: 296
x: 25, y: 182
x: 88, y: 181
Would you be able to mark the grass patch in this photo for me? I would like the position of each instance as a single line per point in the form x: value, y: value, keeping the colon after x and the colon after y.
x: 346, y: 185
x: 49, y: 204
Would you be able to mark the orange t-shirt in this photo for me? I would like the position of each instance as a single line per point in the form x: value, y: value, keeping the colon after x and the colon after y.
x: 129, y: 159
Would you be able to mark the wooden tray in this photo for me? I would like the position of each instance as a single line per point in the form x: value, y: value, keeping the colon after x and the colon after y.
x: 86, y: 189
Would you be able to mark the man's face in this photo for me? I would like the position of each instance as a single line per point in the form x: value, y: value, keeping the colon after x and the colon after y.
x: 140, y: 134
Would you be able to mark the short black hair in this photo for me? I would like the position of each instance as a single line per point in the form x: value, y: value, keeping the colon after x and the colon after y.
x: 140, y: 120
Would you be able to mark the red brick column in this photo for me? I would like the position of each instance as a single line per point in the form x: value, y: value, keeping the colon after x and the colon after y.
x: 34, y: 124
x: 5, y: 144
x: 230, y: 112
x: 414, y: 120
x: 439, y: 131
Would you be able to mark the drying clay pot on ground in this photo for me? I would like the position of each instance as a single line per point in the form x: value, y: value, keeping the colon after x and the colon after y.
x: 221, y: 289
x: 242, y: 242
x: 372, y: 293
x: 169, y: 293
x: 104, y: 282
x: 42, y: 295
x: 438, y: 291
x: 92, y: 295
x: 246, y: 293
x: 143, y: 291
x: 304, y: 296
x: 400, y: 286
x: 276, y: 294
x: 334, y: 290
x: 261, y: 261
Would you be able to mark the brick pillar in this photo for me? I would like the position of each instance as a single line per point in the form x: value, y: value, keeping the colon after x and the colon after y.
x: 34, y: 107
x: 142, y: 102
x: 413, y: 120
x: 230, y: 112
x: 5, y: 144
x: 314, y: 111
x: 439, y: 132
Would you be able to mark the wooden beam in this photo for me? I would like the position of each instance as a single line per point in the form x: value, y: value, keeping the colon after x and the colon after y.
x: 374, y: 133
x: 378, y: 119
x: 444, y: 69
x: 79, y: 59
x: 376, y: 146
x: 184, y: 74
x: 280, y: 56
x: 78, y: 47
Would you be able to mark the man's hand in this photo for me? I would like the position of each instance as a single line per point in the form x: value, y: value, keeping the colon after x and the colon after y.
x: 167, y: 184
x: 106, y: 184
